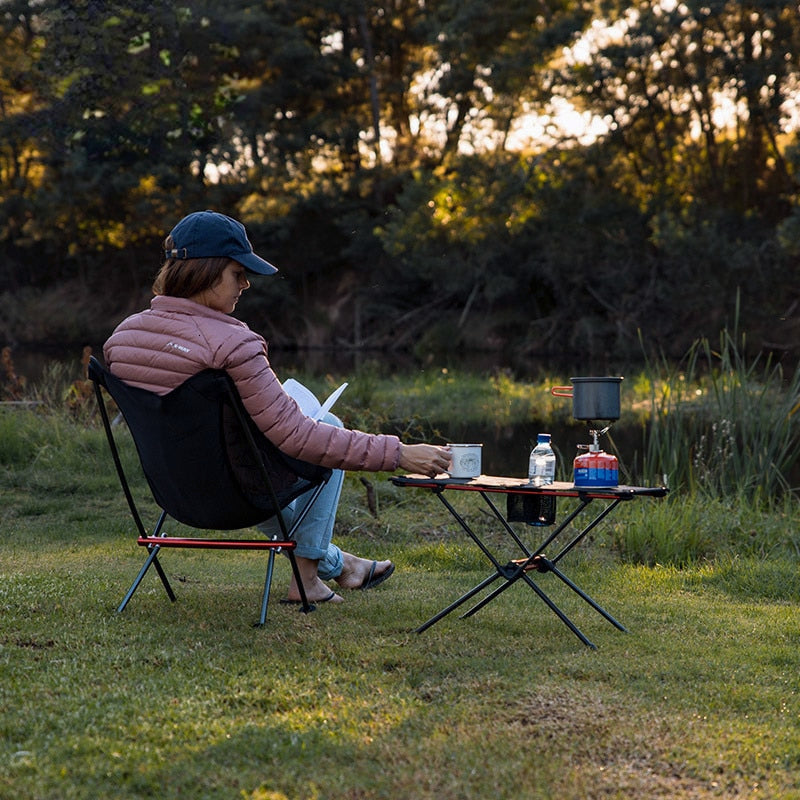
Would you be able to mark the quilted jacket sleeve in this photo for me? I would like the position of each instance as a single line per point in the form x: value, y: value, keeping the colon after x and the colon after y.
x: 280, y: 419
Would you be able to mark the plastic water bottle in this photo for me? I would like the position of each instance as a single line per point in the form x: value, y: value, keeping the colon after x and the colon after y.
x: 540, y: 509
x: 542, y: 463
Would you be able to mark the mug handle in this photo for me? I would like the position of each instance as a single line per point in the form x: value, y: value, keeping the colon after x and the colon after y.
x: 561, y: 391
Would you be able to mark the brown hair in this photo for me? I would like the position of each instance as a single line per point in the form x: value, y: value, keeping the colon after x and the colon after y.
x: 186, y: 277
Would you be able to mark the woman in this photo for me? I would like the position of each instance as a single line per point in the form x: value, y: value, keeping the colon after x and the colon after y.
x: 188, y: 328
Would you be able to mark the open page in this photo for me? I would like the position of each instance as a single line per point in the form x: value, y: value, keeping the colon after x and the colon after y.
x: 328, y: 404
x: 307, y: 400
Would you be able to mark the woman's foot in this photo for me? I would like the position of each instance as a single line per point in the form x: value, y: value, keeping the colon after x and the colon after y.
x: 317, y: 592
x: 361, y: 573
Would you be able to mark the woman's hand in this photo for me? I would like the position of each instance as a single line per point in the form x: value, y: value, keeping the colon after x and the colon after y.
x: 424, y: 459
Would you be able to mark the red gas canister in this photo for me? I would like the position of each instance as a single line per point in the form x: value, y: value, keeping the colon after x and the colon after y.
x: 596, y: 469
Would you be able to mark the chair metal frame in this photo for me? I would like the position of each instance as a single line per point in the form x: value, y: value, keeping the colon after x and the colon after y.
x: 158, y: 539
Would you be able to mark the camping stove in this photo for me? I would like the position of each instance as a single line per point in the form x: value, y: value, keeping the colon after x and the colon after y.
x: 596, y: 469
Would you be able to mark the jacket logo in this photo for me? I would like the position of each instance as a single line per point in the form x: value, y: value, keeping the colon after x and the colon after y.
x: 180, y: 347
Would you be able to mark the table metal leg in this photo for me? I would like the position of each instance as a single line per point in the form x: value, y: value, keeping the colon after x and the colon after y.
x: 548, y: 602
x: 462, y: 522
x: 551, y: 567
x: 534, y: 560
x: 602, y: 515
x: 502, y: 520
x: 543, y: 564
x: 463, y: 599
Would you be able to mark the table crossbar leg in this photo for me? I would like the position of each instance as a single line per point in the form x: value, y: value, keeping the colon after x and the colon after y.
x: 454, y: 605
x: 545, y: 599
x: 466, y: 528
x: 559, y: 613
x: 556, y: 532
x: 596, y: 521
x: 510, y: 580
x: 502, y: 520
x: 551, y: 567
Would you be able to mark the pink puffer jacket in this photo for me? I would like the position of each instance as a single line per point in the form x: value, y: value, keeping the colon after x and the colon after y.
x: 160, y: 348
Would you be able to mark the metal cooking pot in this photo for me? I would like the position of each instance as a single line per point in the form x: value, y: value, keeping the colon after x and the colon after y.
x: 592, y: 398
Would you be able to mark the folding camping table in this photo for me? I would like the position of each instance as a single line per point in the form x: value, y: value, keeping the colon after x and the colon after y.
x: 532, y: 560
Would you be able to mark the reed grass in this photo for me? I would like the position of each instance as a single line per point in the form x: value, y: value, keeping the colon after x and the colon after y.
x: 722, y: 425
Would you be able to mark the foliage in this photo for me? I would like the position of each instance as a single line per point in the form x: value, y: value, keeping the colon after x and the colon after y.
x: 659, y: 87
x: 380, y: 153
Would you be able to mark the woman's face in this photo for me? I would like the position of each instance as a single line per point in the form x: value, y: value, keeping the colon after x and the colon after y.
x: 225, y: 293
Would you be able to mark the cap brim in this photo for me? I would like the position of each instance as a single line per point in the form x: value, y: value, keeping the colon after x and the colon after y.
x: 253, y: 263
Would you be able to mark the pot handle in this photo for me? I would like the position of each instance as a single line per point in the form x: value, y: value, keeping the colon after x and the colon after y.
x: 561, y: 391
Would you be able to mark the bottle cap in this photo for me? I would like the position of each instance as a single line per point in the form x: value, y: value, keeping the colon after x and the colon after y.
x: 543, y: 437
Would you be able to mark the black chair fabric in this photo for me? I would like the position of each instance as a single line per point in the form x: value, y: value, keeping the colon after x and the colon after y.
x: 206, y: 463
x: 185, y: 441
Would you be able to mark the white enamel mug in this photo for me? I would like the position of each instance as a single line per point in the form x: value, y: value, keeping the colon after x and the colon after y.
x: 465, y: 460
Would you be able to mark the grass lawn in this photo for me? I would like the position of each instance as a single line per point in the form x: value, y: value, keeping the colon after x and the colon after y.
x: 699, y: 699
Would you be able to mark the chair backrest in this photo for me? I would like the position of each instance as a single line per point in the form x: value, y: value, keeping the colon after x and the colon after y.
x: 186, y: 441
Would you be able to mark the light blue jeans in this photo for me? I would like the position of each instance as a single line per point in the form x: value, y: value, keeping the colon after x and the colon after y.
x: 314, y: 535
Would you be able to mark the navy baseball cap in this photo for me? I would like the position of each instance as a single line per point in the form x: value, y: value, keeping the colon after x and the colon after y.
x: 207, y: 234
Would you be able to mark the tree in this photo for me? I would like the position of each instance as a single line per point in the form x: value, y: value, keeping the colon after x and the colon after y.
x: 20, y: 163
x: 696, y: 98
x: 696, y: 93
x: 367, y: 146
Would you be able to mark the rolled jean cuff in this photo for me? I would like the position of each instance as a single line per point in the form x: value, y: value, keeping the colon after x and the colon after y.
x: 330, y: 565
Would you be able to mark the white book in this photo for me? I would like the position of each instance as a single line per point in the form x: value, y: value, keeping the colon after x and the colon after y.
x: 307, y: 400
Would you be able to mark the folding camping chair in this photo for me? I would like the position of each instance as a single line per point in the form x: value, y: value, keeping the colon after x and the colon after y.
x: 209, y: 467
